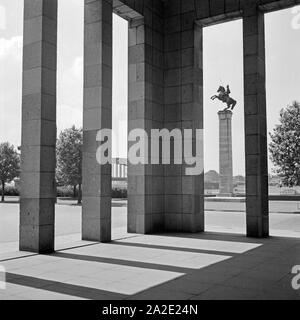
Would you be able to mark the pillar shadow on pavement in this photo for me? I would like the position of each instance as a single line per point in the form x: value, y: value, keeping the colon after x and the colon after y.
x: 177, y: 266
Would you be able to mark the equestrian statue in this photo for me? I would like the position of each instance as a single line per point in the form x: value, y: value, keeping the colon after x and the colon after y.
x: 223, y: 95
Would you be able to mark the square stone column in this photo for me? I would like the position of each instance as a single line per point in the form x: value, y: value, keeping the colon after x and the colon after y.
x: 138, y: 217
x: 97, y: 114
x: 145, y: 111
x: 257, y: 206
x: 183, y: 50
x: 225, y: 154
x: 38, y: 193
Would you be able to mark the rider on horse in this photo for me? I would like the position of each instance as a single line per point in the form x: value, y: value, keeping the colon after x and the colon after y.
x: 224, y: 97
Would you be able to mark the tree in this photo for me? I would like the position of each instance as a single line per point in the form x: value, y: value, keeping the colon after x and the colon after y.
x: 69, y: 159
x: 285, y: 145
x: 9, y: 164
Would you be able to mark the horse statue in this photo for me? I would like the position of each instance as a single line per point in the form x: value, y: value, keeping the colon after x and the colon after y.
x: 223, y: 95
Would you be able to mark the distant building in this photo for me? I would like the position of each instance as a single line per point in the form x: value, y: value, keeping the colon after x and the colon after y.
x: 119, y: 173
x: 239, y: 180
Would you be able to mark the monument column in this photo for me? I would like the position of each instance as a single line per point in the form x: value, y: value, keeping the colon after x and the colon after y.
x: 37, y: 203
x: 225, y: 153
x: 97, y: 114
x: 255, y: 122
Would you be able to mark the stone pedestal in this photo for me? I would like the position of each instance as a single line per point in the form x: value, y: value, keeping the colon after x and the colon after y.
x: 225, y: 154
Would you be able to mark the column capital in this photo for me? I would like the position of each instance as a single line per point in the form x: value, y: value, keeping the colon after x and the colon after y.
x: 225, y: 114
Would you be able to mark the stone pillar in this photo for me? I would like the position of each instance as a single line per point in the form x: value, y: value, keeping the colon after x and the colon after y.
x: 192, y: 118
x: 97, y: 114
x: 145, y: 111
x: 37, y: 205
x: 137, y: 217
x: 118, y: 168
x: 225, y: 154
x: 184, y: 194
x: 255, y: 123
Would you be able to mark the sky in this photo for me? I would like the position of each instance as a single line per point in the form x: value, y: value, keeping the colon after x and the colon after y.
x: 223, y: 64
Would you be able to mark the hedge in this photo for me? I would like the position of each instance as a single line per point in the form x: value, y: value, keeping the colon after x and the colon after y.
x: 10, y: 191
x: 65, y: 192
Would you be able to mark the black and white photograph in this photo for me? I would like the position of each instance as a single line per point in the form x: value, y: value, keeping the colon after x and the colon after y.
x: 149, y: 154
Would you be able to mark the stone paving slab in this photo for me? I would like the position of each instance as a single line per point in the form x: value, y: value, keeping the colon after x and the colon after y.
x: 176, y: 266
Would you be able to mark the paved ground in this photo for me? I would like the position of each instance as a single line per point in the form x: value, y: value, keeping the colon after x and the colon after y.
x: 203, y: 266
x: 224, y: 217
x: 178, y: 266
x: 292, y: 207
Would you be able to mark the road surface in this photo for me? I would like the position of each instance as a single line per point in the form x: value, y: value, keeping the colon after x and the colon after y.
x: 219, y: 217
